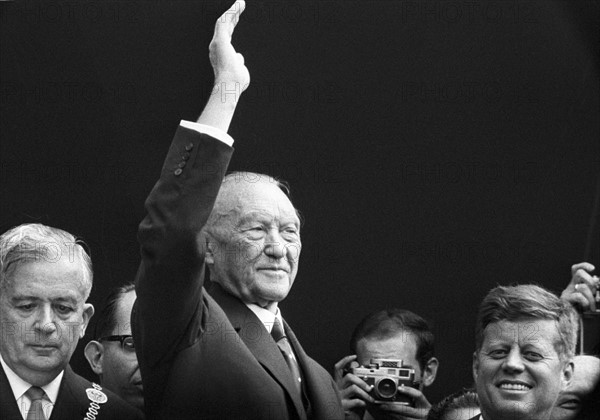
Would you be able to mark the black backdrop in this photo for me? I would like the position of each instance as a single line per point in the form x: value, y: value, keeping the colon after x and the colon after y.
x: 435, y: 148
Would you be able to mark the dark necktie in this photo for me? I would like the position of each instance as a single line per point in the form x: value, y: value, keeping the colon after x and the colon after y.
x: 36, y: 411
x: 288, y: 354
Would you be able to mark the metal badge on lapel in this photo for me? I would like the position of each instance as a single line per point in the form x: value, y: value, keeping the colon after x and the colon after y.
x: 96, y: 396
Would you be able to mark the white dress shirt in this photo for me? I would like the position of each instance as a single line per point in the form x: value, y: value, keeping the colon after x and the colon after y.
x: 266, y: 317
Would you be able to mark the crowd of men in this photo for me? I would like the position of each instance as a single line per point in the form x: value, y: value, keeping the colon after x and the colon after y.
x: 174, y: 347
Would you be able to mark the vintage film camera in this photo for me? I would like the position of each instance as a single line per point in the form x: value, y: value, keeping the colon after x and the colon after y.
x: 386, y: 375
x: 589, y: 329
x: 589, y: 332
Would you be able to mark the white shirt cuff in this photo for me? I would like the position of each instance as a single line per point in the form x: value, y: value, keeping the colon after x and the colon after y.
x: 210, y: 130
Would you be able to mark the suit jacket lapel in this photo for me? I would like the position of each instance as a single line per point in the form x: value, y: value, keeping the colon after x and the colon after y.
x: 258, y: 340
x: 302, y: 357
x: 9, y: 408
x: 69, y: 401
x: 309, y: 385
x: 66, y: 405
x: 319, y: 386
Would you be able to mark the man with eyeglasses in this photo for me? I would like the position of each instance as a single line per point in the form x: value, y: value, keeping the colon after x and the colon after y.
x: 112, y: 354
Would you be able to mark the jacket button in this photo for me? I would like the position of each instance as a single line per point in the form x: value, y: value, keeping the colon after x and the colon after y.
x: 178, y: 172
x: 181, y: 165
x: 189, y: 147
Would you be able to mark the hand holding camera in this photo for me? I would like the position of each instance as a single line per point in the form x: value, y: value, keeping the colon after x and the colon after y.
x: 385, y: 376
x: 384, y: 387
x: 353, y: 390
x: 583, y: 291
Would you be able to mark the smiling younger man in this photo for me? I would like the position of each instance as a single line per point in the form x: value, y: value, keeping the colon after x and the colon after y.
x: 525, y: 343
x: 45, y: 280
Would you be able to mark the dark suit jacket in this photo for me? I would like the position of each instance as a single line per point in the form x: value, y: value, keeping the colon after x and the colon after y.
x: 203, y: 356
x: 72, y: 401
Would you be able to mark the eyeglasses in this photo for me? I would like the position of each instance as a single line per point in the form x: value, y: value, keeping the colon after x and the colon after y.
x: 126, y: 341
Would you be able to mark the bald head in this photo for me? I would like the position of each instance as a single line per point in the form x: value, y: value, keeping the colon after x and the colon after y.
x: 238, y: 190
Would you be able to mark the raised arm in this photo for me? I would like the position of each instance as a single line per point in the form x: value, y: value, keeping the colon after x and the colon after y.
x: 169, y: 308
x: 231, y: 75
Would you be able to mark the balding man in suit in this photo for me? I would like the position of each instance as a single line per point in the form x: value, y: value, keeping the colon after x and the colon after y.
x: 226, y: 353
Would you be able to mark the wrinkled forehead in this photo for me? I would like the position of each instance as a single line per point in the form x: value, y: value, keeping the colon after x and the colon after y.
x: 261, y: 197
x: 526, y: 331
x: 55, y: 278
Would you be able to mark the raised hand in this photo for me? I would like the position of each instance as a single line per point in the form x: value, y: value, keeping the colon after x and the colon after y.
x: 228, y: 65
x: 583, y: 287
x: 231, y: 75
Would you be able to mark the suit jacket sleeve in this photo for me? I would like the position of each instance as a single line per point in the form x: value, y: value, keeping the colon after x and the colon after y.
x: 168, y: 313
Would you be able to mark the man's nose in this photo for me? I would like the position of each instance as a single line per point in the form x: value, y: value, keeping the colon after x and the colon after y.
x: 45, y: 322
x: 274, y: 245
x: 514, y: 361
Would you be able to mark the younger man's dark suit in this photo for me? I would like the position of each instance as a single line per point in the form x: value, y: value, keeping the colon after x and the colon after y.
x: 201, y: 355
x: 72, y: 402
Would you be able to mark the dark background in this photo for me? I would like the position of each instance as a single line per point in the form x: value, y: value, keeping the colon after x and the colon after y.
x: 435, y: 148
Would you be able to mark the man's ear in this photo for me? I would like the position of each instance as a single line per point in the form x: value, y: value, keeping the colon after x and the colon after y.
x: 88, y: 312
x: 430, y: 371
x: 94, y: 352
x: 475, y: 365
x: 567, y: 374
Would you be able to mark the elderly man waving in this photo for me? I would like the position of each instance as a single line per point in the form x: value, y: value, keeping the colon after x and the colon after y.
x: 226, y: 353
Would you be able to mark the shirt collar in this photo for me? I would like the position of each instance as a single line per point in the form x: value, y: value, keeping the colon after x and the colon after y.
x: 20, y: 387
x: 266, y: 317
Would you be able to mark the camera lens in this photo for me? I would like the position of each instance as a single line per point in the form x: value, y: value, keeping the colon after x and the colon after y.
x: 386, y: 388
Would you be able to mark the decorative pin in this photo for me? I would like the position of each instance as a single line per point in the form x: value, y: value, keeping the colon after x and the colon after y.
x: 96, y: 395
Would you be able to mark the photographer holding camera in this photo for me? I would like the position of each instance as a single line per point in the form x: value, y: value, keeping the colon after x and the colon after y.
x: 386, y: 341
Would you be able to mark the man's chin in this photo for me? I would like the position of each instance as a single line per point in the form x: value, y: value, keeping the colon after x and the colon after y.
x: 46, y: 358
x: 268, y: 295
x: 44, y: 363
x: 272, y: 298
x: 38, y: 366
x: 515, y: 409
